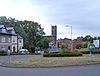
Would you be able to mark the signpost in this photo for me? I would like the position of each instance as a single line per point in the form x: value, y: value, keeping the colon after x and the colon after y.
x: 91, y: 47
x: 96, y: 43
x: 8, y: 52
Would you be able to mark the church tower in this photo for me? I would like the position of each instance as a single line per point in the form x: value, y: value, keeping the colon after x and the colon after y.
x: 54, y: 30
x: 54, y: 33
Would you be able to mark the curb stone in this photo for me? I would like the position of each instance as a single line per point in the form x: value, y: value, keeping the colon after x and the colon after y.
x: 12, y: 66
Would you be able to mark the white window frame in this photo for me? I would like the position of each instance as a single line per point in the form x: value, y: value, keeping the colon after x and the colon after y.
x: 9, y: 40
x: 3, y: 39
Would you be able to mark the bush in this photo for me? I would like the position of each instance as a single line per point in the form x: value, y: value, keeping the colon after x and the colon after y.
x: 63, y: 54
x: 15, y: 53
x: 93, y: 52
x: 3, y: 53
x: 85, y: 52
x: 96, y: 52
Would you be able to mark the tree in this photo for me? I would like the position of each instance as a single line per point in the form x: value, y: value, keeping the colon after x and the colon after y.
x: 88, y: 38
x: 95, y: 38
x: 44, y: 43
x: 63, y: 47
x: 82, y: 45
x: 99, y: 37
x: 30, y: 31
x: 2, y: 20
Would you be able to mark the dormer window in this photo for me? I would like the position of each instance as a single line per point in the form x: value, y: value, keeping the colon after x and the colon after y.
x: 13, y: 32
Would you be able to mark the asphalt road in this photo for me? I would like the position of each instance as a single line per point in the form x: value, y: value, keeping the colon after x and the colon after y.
x: 14, y: 57
x: 90, y: 70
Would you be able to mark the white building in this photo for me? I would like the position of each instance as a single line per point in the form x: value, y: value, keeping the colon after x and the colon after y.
x: 9, y: 40
x: 20, y: 42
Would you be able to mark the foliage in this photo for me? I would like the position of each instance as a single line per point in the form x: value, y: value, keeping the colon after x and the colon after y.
x: 93, y: 52
x: 30, y: 31
x: 63, y: 54
x: 96, y: 52
x: 63, y: 46
x: 2, y: 20
x: 88, y: 38
x: 2, y: 53
x: 15, y: 53
x: 43, y: 43
x: 82, y: 45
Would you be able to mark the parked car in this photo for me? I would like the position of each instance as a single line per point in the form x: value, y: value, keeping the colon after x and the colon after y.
x: 23, y: 51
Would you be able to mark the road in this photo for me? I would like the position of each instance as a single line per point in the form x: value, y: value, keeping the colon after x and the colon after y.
x: 14, y: 57
x: 89, y: 70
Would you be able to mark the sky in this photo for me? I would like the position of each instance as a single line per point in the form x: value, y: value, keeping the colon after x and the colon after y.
x: 82, y: 15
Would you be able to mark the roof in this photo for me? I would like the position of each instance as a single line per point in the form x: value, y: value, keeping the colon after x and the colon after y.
x: 7, y: 31
x: 2, y: 26
x: 19, y: 37
x: 8, y: 34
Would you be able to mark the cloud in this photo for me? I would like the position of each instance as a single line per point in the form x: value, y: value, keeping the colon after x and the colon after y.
x: 83, y: 15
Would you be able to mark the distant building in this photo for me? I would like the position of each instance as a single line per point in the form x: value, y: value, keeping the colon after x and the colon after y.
x: 77, y: 42
x: 9, y: 40
x: 68, y: 43
x: 53, y: 36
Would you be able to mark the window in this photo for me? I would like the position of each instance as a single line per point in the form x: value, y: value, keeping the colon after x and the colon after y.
x: 13, y: 39
x: 20, y: 41
x: 8, y: 39
x: 3, y: 39
x: 3, y: 48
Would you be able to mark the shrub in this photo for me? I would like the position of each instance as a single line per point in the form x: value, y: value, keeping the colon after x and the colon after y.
x: 85, y: 52
x: 3, y: 53
x: 96, y: 52
x: 63, y: 54
x: 93, y: 52
x: 15, y: 53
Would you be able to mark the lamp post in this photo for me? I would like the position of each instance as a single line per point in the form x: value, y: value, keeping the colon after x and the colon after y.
x: 71, y: 37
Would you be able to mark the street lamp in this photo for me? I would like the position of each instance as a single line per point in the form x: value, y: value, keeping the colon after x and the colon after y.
x: 71, y: 37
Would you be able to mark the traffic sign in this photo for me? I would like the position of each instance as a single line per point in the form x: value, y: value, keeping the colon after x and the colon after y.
x: 91, y: 47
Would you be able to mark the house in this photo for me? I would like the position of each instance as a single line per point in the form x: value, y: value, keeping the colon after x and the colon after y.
x: 9, y: 39
x: 65, y: 41
x: 20, y: 42
x: 69, y: 43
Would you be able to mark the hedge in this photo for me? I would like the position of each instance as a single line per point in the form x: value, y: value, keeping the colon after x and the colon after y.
x: 62, y: 54
x: 93, y: 52
x: 15, y: 53
x: 3, y: 53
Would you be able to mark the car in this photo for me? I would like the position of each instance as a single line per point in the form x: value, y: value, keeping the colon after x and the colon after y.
x: 23, y: 51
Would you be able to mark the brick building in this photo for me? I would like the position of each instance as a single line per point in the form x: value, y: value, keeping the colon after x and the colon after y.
x: 68, y: 43
x: 53, y: 36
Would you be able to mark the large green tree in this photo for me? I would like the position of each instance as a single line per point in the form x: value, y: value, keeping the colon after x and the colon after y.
x: 88, y: 38
x: 44, y: 43
x: 30, y: 31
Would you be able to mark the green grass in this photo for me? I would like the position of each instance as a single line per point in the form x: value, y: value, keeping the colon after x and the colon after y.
x: 85, y: 49
x: 53, y: 61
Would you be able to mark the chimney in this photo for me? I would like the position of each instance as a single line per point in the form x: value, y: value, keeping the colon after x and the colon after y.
x: 7, y: 23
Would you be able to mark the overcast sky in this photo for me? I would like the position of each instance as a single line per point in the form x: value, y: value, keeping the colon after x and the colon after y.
x: 82, y: 15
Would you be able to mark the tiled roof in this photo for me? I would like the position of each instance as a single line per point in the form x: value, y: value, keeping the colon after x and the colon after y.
x: 7, y: 31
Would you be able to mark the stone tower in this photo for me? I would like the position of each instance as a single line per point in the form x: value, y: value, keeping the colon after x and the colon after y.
x: 54, y: 33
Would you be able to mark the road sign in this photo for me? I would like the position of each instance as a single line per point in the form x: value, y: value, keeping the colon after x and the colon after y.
x: 96, y: 43
x: 91, y: 47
